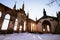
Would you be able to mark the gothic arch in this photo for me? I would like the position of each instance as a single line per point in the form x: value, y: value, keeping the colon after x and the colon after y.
x: 6, y: 22
x: 46, y: 26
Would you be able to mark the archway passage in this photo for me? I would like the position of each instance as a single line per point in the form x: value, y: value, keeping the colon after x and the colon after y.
x: 46, y: 26
x: 6, y: 22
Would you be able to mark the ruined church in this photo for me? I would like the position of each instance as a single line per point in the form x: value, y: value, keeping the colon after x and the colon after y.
x: 16, y: 20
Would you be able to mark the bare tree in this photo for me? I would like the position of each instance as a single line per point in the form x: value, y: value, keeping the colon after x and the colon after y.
x: 54, y: 1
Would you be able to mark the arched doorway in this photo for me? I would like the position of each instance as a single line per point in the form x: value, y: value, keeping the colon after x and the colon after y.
x: 6, y: 22
x: 46, y: 26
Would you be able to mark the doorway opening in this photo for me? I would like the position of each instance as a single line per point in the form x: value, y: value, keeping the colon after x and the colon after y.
x: 46, y: 26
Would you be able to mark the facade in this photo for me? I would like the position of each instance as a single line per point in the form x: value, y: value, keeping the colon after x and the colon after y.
x: 47, y: 24
x: 13, y: 16
x: 18, y: 21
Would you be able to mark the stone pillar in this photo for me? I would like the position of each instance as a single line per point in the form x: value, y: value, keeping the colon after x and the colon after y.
x: 22, y: 26
x: 11, y: 24
x: 18, y: 26
x: 2, y: 20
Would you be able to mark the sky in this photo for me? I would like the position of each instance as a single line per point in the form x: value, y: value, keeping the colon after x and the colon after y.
x: 34, y: 7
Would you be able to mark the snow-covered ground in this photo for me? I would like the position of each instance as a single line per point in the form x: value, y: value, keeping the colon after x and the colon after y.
x: 29, y: 36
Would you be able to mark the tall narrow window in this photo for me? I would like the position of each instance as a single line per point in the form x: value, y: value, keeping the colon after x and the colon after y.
x: 48, y: 29
x: 20, y: 28
x: 6, y: 22
x: 0, y: 14
x: 24, y: 25
x: 16, y: 23
x: 32, y: 26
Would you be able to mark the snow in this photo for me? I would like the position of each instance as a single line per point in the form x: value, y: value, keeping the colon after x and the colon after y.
x: 29, y: 36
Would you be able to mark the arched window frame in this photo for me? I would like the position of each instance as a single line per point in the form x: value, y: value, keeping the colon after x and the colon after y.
x: 6, y: 22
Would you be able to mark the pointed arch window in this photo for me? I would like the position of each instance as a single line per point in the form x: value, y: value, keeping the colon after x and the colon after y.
x: 6, y: 22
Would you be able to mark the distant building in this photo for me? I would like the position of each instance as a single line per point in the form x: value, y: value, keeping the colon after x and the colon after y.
x: 19, y: 21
